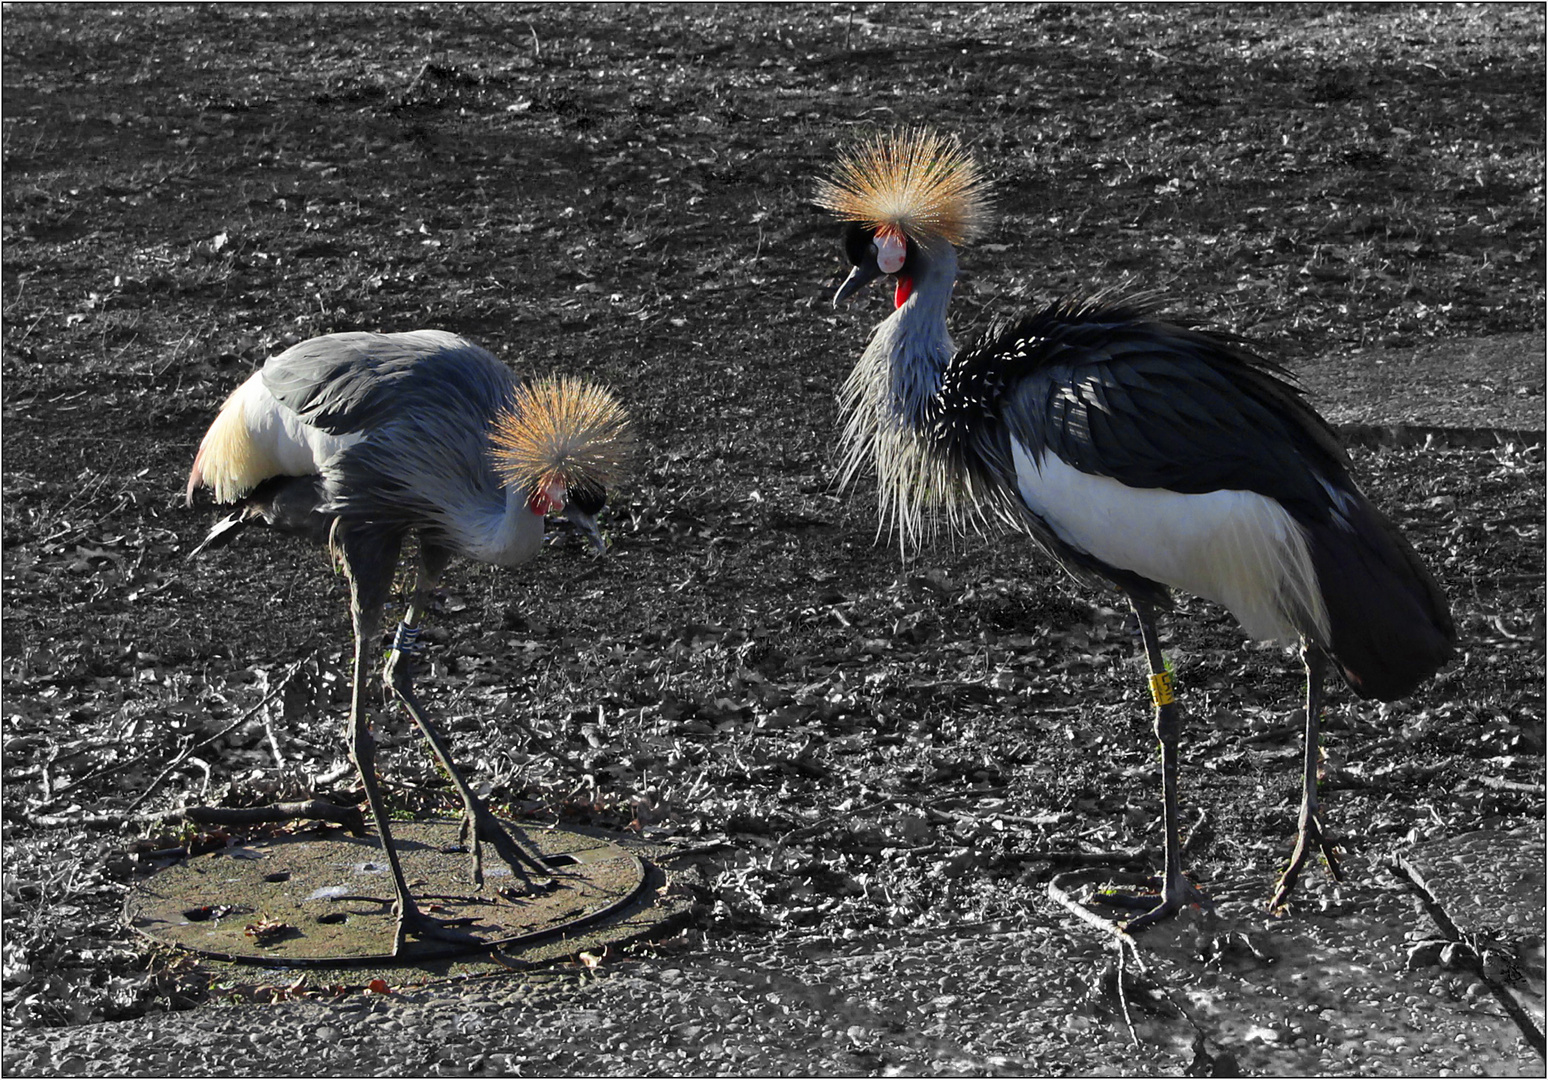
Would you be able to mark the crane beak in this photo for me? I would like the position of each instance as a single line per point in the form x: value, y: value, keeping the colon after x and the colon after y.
x: 587, y: 524
x: 858, y: 278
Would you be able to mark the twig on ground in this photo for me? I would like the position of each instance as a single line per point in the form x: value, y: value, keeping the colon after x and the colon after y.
x: 1059, y: 891
x: 1123, y: 997
x: 1196, y: 833
x: 268, y: 729
x: 156, y: 783
x: 192, y: 746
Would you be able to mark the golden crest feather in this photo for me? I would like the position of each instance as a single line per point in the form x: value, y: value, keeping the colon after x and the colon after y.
x: 562, y: 429
x: 922, y: 183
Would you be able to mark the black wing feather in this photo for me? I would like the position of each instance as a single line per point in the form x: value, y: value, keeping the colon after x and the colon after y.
x: 1115, y: 392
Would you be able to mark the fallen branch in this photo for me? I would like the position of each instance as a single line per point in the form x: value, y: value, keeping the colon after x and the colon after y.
x: 1415, y: 877
x: 1501, y: 784
x: 1141, y: 856
x: 312, y: 809
x: 1059, y: 890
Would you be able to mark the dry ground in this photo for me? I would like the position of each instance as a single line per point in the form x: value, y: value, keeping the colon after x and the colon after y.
x: 623, y: 192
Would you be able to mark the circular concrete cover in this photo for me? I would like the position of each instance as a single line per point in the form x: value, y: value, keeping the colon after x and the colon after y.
x: 326, y: 899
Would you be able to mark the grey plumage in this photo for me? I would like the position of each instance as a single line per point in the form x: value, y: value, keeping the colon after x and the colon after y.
x: 364, y: 438
x: 349, y: 382
x: 422, y: 404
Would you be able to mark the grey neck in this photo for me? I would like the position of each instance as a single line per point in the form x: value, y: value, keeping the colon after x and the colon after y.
x: 916, y: 339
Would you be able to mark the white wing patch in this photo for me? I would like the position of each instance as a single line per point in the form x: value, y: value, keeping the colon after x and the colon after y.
x: 1240, y: 549
x: 291, y: 446
x: 253, y: 438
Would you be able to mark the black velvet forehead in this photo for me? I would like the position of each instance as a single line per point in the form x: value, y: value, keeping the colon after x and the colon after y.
x: 856, y: 240
x: 588, y: 499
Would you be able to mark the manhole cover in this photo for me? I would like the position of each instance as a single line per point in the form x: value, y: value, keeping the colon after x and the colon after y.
x: 327, y: 900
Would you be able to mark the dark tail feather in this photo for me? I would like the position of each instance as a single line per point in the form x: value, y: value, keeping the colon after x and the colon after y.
x: 221, y: 533
x: 1391, y: 625
x: 287, y: 503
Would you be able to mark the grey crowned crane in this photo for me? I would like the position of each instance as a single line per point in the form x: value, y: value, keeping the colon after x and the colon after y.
x: 361, y: 439
x: 1133, y: 451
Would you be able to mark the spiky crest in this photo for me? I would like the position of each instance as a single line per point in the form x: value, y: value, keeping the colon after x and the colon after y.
x: 913, y: 180
x: 561, y: 429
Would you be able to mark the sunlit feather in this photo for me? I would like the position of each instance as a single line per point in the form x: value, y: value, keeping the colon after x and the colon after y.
x: 914, y: 180
x: 562, y: 430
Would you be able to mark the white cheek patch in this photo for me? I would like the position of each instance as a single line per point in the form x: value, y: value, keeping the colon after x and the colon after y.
x: 549, y: 499
x: 891, y: 251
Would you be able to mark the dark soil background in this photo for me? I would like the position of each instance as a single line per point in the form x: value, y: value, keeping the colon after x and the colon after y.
x: 852, y: 743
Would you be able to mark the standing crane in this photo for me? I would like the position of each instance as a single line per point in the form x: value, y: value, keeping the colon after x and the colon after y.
x: 1133, y: 451
x: 361, y: 439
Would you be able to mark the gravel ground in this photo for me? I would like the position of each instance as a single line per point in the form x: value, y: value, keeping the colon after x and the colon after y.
x: 1326, y: 991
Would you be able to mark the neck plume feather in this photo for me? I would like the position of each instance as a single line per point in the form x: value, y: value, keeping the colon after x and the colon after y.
x: 888, y: 402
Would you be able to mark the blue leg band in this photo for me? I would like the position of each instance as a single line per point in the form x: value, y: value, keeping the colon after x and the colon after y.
x: 406, y: 640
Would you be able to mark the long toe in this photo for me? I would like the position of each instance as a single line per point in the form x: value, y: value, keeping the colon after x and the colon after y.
x: 1179, y: 893
x: 1311, y: 833
x: 413, y: 923
x: 1329, y: 853
x: 520, y: 855
x: 1286, y: 883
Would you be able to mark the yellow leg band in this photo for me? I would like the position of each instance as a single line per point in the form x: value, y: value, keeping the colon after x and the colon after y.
x: 1161, y: 688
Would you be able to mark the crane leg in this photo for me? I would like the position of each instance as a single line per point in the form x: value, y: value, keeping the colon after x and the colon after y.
x: 478, y: 824
x: 1310, y: 827
x: 1177, y: 892
x: 368, y: 563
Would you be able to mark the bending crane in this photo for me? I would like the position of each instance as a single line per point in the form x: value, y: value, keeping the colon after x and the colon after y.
x: 360, y: 439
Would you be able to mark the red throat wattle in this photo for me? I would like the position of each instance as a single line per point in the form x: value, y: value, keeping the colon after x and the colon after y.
x: 905, y: 290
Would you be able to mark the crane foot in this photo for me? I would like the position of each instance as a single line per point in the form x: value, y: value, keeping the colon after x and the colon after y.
x: 1311, y: 829
x: 1098, y: 888
x: 1175, y: 895
x: 522, y: 858
x: 411, y: 922
x: 1178, y: 893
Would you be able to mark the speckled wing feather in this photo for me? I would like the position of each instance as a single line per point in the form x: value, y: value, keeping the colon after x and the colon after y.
x: 1115, y: 392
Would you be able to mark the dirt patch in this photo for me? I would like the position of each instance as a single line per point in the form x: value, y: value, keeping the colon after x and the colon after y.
x: 1463, y: 386
x: 862, y: 747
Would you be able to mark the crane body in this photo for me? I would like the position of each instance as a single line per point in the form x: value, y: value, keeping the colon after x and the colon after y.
x: 1135, y: 452
x: 1165, y: 458
x: 360, y: 440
